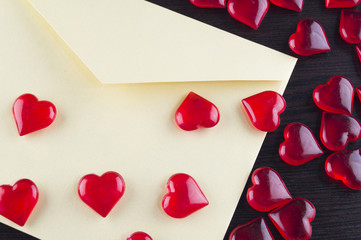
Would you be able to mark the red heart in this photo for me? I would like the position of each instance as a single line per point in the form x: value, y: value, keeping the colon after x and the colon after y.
x: 249, y: 12
x: 101, y: 193
x: 345, y: 166
x: 350, y: 26
x: 196, y: 111
x: 268, y: 190
x: 309, y: 38
x: 293, y: 220
x: 184, y: 197
x: 300, y: 146
x: 263, y: 109
x: 18, y: 201
x: 139, y: 236
x: 342, y: 3
x: 209, y: 3
x: 32, y: 115
x: 337, y: 130
x: 295, y: 5
x: 336, y: 96
x: 255, y: 229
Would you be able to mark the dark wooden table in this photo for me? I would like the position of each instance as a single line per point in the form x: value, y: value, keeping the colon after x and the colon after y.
x: 338, y: 208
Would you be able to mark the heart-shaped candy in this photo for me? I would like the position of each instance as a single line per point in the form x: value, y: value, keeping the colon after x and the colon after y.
x: 300, y: 146
x: 263, y: 109
x: 338, y: 129
x: 336, y: 96
x: 139, y: 236
x: 101, y: 193
x: 248, y: 12
x: 350, y: 26
x: 268, y: 190
x: 184, y: 198
x: 346, y: 167
x: 32, y: 115
x: 295, y: 5
x: 293, y: 220
x: 18, y: 201
x: 256, y: 229
x: 342, y: 3
x: 196, y: 111
x: 209, y: 3
x: 309, y: 38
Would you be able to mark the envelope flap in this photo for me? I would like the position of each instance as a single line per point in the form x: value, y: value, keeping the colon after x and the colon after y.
x: 137, y: 41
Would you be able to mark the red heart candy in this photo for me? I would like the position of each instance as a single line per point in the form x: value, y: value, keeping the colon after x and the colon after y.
x: 101, y: 193
x: 184, y: 197
x: 337, y: 130
x: 248, y: 12
x: 345, y: 166
x: 139, y: 236
x: 209, y: 3
x: 268, y: 190
x: 32, y: 115
x: 263, y: 109
x: 196, y: 111
x: 342, y: 3
x: 295, y: 5
x: 255, y: 229
x: 336, y: 96
x: 309, y: 38
x: 293, y: 220
x: 18, y: 201
x: 350, y: 26
x: 300, y: 146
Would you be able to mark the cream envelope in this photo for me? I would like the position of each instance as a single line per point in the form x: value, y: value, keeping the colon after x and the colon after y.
x: 127, y: 41
x: 128, y: 128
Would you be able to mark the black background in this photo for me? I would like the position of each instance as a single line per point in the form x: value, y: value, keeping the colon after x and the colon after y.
x: 338, y: 208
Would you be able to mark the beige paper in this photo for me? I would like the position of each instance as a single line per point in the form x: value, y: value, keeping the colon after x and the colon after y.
x: 128, y: 128
x: 127, y: 41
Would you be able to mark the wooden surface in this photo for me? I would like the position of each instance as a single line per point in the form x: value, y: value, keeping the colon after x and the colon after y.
x: 338, y: 208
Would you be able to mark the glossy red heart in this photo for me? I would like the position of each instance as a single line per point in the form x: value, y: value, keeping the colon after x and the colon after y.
x: 256, y: 229
x: 184, y: 197
x: 350, y: 26
x: 342, y: 3
x: 32, y: 115
x: 300, y: 145
x: 338, y: 129
x: 101, y: 193
x: 139, y: 236
x: 293, y: 220
x: 195, y: 112
x: 263, y: 109
x: 295, y: 5
x: 18, y: 201
x: 209, y: 3
x: 268, y: 191
x: 346, y: 167
x: 336, y: 96
x: 248, y: 12
x: 309, y: 38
